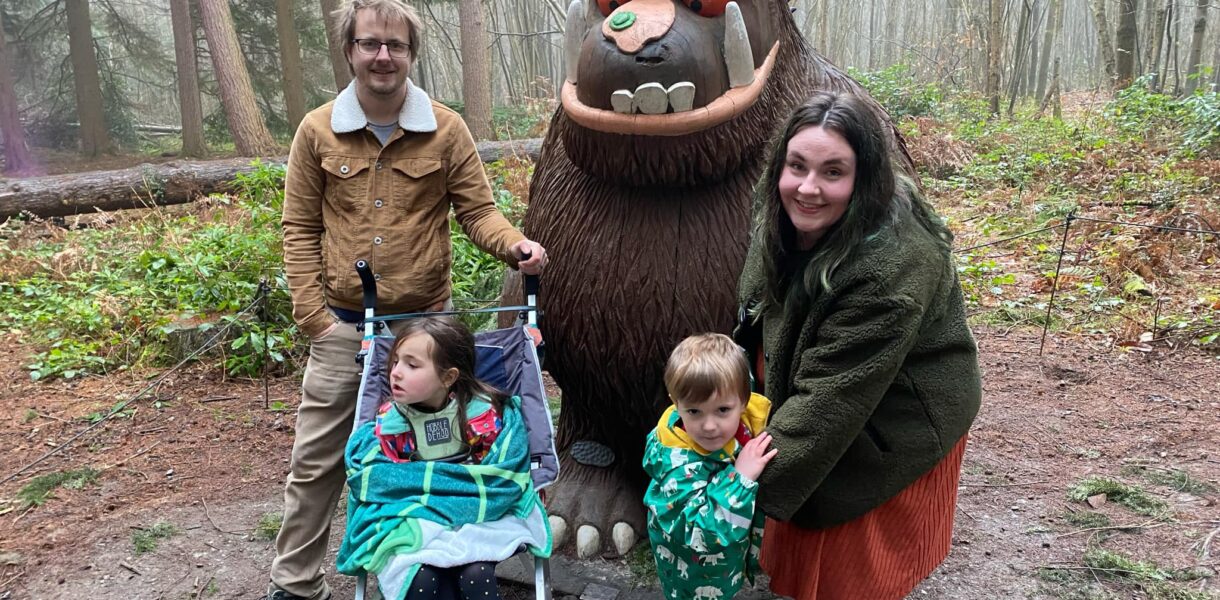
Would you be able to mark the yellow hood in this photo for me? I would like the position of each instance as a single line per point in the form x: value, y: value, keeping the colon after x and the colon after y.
x: 672, y: 436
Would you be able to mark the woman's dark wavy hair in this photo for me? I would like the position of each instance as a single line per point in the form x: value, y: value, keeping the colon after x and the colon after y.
x: 881, y: 196
x: 452, y: 348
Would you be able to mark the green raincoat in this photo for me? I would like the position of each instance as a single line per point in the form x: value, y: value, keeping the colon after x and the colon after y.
x: 704, y: 531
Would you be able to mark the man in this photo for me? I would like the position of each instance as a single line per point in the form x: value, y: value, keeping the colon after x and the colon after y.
x: 371, y: 175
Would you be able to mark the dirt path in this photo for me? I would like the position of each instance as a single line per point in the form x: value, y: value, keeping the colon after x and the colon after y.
x: 209, y: 461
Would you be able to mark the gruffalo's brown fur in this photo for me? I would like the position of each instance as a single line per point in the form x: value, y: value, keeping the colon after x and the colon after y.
x: 647, y: 235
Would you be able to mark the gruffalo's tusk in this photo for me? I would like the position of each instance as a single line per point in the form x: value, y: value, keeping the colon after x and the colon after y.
x: 573, y: 35
x: 738, y: 56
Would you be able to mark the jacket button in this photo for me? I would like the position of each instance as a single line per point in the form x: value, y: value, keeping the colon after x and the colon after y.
x: 377, y: 277
x: 377, y: 240
x: 379, y: 165
x: 344, y: 169
x: 377, y: 203
x: 766, y: 356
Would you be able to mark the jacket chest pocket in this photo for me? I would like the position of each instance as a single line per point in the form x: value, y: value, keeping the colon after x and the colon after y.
x: 347, y: 181
x: 418, y: 183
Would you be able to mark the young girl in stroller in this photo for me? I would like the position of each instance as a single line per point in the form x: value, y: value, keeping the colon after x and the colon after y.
x: 439, y: 480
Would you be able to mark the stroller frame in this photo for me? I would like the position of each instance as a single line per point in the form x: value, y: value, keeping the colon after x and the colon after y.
x: 543, y: 460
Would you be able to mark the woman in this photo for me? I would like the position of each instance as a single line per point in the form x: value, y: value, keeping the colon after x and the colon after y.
x: 850, y: 294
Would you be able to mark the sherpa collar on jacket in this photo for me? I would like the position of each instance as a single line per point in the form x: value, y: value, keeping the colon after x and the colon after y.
x: 416, y: 114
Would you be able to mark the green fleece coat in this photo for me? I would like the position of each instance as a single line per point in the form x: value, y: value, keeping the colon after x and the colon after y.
x: 873, y: 381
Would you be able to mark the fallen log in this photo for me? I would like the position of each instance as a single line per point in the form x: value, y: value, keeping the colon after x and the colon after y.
x: 163, y: 184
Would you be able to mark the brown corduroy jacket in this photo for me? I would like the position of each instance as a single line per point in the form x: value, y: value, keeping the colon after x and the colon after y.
x: 348, y: 198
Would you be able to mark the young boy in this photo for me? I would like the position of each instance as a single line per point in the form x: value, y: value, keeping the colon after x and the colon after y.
x: 704, y: 457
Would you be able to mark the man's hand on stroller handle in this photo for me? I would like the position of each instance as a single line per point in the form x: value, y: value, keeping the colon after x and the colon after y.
x: 531, y: 256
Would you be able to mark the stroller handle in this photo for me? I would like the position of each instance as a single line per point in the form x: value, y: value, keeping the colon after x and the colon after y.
x: 529, y: 281
x: 368, y: 283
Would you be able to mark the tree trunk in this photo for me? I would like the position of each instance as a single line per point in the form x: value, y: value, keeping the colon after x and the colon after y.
x: 1054, y: 18
x: 872, y: 35
x: 250, y: 133
x: 1031, y: 65
x: 293, y: 73
x: 1158, y: 46
x: 514, y: 51
x: 1103, y: 40
x: 1018, y: 54
x: 1195, y: 62
x: 94, y: 138
x: 1052, y: 95
x: 169, y: 183
x: 17, y: 157
x: 1056, y: 90
x: 953, y: 10
x: 891, y: 32
x: 823, y: 43
x: 836, y: 46
x: 189, y: 102
x: 995, y: 50
x: 476, y: 70
x: 1172, y: 41
x: 335, y: 44
x: 1125, y: 43
x: 949, y: 42
x: 1147, y: 36
x: 1216, y: 68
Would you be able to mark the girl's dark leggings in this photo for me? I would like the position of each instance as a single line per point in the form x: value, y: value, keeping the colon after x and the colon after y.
x: 464, y: 582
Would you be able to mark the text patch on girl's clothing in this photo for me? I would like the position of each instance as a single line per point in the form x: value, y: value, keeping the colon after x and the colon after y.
x: 437, y: 432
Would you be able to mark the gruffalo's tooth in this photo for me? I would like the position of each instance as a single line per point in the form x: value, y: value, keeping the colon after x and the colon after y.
x: 651, y: 99
x: 622, y: 101
x: 681, y: 96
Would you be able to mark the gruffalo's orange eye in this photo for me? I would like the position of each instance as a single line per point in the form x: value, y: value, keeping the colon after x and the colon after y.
x: 707, y: 8
x: 608, y: 6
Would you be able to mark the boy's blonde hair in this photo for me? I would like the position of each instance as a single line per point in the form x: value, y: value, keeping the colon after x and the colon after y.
x: 705, y: 364
x: 390, y: 10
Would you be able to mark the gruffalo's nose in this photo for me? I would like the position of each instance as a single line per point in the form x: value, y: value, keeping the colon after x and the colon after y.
x: 652, y: 54
x: 634, y: 24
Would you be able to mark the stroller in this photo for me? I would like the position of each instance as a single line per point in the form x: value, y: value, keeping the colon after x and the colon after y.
x: 506, y: 359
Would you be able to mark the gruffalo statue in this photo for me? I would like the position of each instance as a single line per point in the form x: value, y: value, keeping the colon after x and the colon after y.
x: 642, y: 198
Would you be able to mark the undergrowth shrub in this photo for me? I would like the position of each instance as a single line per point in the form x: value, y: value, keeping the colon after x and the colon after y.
x: 897, y: 89
x: 111, y: 296
x: 1191, y: 124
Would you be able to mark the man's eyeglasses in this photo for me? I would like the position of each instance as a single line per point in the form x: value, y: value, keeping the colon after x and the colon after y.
x: 371, y: 47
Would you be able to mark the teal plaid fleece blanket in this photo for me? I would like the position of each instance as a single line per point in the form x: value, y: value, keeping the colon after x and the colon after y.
x: 401, y: 515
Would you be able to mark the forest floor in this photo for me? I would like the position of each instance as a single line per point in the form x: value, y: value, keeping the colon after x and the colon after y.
x: 179, y: 497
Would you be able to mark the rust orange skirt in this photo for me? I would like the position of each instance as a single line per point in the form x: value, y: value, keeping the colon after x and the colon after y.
x: 881, y: 555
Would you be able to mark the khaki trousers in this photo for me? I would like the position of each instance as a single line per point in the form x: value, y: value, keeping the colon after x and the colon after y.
x: 316, y: 479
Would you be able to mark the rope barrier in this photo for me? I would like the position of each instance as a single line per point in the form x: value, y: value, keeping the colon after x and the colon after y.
x: 1091, y: 219
x: 1009, y: 239
x: 1160, y: 227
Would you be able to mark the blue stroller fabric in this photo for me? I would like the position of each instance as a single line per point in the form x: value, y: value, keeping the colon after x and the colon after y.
x: 505, y: 358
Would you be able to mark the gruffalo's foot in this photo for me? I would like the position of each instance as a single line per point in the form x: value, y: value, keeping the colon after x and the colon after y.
x: 602, y: 506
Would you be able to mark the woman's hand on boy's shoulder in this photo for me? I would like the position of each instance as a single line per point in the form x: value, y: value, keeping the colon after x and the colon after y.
x: 754, y: 456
